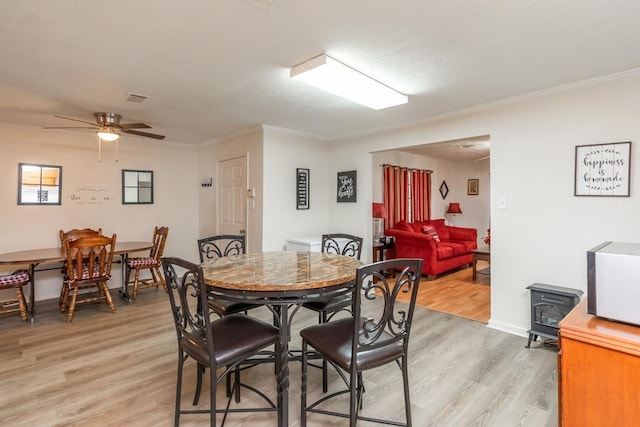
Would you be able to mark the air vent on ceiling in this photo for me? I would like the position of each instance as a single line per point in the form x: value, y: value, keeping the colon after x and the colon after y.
x: 264, y: 4
x: 134, y: 97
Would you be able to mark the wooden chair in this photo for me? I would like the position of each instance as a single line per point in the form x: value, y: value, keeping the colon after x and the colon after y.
x: 338, y: 244
x: 72, y: 235
x: 89, y: 261
x: 223, y: 345
x: 15, y: 280
x: 214, y: 247
x: 369, y: 339
x: 151, y: 263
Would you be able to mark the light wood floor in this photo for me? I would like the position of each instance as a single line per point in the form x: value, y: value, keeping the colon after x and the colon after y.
x: 456, y: 293
x: 119, y: 369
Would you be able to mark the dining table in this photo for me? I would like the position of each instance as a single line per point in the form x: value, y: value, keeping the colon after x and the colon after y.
x: 35, y: 257
x: 281, y: 281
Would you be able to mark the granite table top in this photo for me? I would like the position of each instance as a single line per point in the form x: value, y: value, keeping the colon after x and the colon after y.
x: 280, y: 271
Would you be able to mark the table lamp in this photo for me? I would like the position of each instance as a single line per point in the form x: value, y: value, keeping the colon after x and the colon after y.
x: 454, y: 209
x: 379, y: 214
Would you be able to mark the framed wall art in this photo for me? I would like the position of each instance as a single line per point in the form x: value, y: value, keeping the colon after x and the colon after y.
x: 473, y: 187
x: 603, y: 169
x: 302, y: 188
x: 444, y: 190
x: 347, y: 187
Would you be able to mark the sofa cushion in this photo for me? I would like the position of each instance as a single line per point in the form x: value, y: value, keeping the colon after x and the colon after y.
x: 403, y: 225
x: 440, y: 227
x: 468, y: 244
x: 444, y: 252
x: 416, y: 226
x: 457, y: 248
x: 431, y: 231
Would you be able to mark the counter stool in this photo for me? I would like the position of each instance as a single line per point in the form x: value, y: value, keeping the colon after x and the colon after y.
x: 15, y: 280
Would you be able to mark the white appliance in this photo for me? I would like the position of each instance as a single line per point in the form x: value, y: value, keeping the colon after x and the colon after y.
x: 613, y: 281
x: 304, y: 244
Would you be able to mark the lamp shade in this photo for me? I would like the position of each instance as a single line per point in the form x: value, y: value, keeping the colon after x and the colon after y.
x: 454, y: 208
x: 379, y: 211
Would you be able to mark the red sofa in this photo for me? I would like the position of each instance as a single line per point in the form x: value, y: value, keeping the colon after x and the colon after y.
x: 453, y: 250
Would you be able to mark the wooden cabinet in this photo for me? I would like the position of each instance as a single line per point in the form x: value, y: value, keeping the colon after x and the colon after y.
x: 598, y: 371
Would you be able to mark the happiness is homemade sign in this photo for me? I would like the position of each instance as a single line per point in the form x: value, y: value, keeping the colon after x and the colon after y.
x: 603, y: 170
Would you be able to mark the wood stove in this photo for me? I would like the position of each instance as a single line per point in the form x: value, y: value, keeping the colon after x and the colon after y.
x: 549, y: 305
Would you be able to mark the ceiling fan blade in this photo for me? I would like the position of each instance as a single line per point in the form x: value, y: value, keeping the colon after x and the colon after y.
x: 147, y: 134
x: 68, y: 127
x: 135, y: 126
x: 78, y: 120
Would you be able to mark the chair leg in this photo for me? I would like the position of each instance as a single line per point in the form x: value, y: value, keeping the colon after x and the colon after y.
x: 107, y: 296
x: 303, y: 388
x: 22, y: 303
x: 154, y: 277
x: 161, y: 279
x: 407, y: 399
x: 72, y: 304
x: 176, y: 419
x: 212, y: 404
x: 64, y: 298
x: 135, y: 284
x: 353, y: 399
x: 199, y: 372
x: 325, y: 365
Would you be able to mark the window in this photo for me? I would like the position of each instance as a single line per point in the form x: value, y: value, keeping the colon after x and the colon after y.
x: 39, y: 184
x: 137, y: 187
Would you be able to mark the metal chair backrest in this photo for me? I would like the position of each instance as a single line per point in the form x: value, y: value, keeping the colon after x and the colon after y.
x: 392, y: 323
x: 89, y: 259
x: 342, y: 244
x: 187, y: 295
x: 223, y: 245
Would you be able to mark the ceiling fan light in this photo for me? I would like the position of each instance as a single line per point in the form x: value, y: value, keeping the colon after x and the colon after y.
x: 107, y: 133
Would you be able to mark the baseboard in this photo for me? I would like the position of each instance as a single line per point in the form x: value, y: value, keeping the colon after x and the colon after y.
x: 508, y: 328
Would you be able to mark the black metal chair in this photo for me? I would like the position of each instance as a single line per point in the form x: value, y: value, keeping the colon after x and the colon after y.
x: 339, y: 244
x: 227, y: 343
x: 372, y: 337
x: 214, y: 247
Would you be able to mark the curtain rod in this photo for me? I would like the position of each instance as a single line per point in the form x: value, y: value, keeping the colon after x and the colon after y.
x: 404, y: 167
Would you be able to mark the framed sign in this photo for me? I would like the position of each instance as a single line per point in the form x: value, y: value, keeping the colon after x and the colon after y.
x: 603, y: 169
x: 347, y: 187
x: 473, y: 187
x: 302, y: 188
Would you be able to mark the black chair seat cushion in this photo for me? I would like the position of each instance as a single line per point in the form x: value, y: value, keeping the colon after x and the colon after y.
x: 329, y: 304
x: 334, y: 339
x: 223, y: 307
x: 235, y: 337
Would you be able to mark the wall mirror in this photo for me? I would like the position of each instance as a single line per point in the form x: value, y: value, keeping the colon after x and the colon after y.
x: 137, y: 187
x: 39, y: 184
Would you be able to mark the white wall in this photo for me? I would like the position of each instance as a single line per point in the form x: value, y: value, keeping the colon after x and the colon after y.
x: 544, y: 234
x: 284, y: 151
x: 31, y: 227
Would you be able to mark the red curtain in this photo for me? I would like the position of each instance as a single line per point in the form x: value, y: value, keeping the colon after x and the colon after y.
x: 420, y: 195
x: 396, y: 194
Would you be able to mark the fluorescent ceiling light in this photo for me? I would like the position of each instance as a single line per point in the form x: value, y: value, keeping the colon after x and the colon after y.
x: 332, y: 76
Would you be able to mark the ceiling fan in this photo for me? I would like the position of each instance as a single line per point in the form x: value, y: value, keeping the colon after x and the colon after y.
x: 109, y: 128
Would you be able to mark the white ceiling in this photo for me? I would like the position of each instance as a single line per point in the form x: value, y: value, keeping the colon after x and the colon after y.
x: 213, y: 69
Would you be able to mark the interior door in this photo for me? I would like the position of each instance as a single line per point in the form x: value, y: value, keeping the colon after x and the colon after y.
x: 232, y: 196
